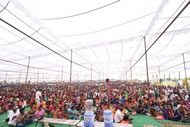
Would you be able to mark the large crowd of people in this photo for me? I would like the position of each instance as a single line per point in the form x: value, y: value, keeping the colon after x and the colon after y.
x: 68, y: 102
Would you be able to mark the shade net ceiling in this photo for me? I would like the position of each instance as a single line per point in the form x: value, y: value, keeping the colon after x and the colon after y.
x: 105, y: 34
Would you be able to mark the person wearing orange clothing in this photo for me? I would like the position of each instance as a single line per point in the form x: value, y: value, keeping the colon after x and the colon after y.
x: 44, y: 104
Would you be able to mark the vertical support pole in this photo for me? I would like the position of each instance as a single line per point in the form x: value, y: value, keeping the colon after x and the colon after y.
x: 62, y: 75
x: 179, y: 75
x: 27, y: 70
x: 153, y: 78
x: 186, y: 83
x: 91, y: 74
x: 77, y: 76
x: 6, y: 77
x: 159, y: 75
x: 99, y: 76
x: 126, y: 74
x: 169, y: 76
x: 43, y: 77
x: 58, y: 77
x: 146, y: 65
x: 30, y: 79
x: 164, y: 77
x: 71, y: 67
x: 131, y: 72
x: 86, y: 77
x: 20, y: 77
x: 103, y: 76
x: 38, y: 77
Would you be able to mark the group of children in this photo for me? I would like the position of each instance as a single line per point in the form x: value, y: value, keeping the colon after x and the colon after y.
x: 68, y: 102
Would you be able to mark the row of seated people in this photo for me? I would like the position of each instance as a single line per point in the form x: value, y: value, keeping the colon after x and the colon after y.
x: 20, y: 118
x: 65, y: 102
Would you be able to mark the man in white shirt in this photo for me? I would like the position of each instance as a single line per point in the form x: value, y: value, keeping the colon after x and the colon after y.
x: 170, y: 90
x: 172, y: 96
x: 38, y: 95
x: 119, y: 115
x: 25, y: 104
x: 181, y: 91
x: 186, y: 97
x: 166, y: 92
x: 12, y: 116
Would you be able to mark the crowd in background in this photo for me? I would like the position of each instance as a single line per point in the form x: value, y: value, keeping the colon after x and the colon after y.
x: 68, y: 102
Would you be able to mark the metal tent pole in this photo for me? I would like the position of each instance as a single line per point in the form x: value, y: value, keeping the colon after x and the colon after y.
x: 164, y: 77
x: 27, y: 70
x: 159, y: 74
x: 77, y: 76
x: 146, y: 65
x: 103, y: 76
x: 186, y: 83
x: 38, y: 76
x: 62, y: 75
x: 131, y: 72
x: 126, y: 75
x: 169, y: 76
x: 91, y: 74
x: 20, y: 77
x: 99, y: 76
x: 6, y: 77
x: 71, y: 67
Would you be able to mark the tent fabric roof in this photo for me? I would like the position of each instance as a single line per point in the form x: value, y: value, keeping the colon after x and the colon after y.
x: 106, y: 34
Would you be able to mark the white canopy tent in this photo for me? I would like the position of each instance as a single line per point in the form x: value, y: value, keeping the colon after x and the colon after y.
x: 107, y: 34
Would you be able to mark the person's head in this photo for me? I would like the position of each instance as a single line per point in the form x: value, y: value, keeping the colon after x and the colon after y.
x: 121, y: 108
x: 73, y: 107
x: 40, y: 107
x: 14, y: 109
x: 169, y: 106
x: 126, y: 117
x: 22, y: 111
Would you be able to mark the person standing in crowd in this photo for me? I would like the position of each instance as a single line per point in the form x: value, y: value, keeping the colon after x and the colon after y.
x: 38, y: 96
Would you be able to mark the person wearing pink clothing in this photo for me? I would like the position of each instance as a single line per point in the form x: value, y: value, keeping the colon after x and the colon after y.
x: 40, y: 113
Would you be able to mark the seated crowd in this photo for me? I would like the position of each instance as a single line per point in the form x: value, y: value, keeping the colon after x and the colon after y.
x: 65, y: 102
